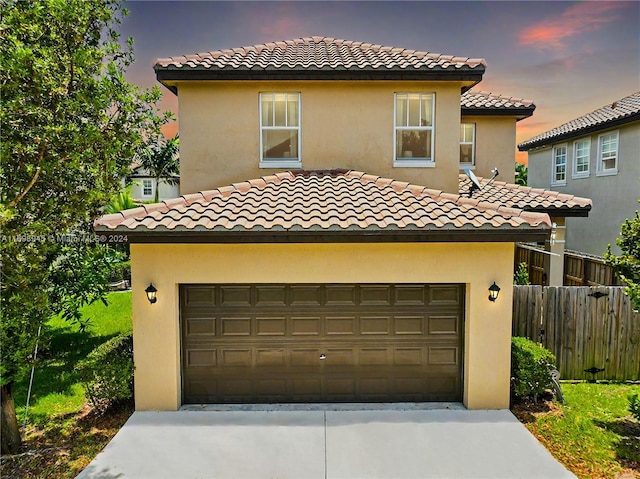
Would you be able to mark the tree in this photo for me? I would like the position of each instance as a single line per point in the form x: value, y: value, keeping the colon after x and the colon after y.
x: 160, y: 159
x: 627, y: 265
x: 70, y: 125
x: 522, y: 172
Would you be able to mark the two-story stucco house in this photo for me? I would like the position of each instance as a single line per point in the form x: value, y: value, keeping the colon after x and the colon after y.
x: 320, y: 250
x: 596, y: 155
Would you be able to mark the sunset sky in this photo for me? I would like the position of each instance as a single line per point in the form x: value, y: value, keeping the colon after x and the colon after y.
x: 569, y: 58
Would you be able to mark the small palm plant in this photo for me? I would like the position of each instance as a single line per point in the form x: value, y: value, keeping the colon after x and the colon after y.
x: 122, y: 201
x: 160, y: 159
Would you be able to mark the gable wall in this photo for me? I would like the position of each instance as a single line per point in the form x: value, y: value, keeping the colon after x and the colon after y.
x: 343, y: 125
x: 495, y: 146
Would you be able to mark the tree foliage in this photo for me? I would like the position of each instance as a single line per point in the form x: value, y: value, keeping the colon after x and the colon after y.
x: 522, y: 173
x: 627, y: 264
x: 71, y: 124
x: 160, y: 159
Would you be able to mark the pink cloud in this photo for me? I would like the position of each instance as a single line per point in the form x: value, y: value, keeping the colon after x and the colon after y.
x: 584, y: 17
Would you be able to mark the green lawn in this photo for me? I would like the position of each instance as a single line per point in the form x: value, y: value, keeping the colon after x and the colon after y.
x: 56, y: 389
x: 593, y: 435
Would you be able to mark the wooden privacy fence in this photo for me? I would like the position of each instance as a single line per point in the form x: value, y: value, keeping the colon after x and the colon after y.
x: 584, y: 327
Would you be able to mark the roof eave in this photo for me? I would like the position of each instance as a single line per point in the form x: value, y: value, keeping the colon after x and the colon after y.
x: 526, y: 146
x: 167, y: 76
x: 537, y: 234
x: 520, y: 113
x: 581, y: 212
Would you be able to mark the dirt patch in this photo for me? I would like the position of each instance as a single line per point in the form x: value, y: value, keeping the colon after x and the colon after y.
x: 65, y: 446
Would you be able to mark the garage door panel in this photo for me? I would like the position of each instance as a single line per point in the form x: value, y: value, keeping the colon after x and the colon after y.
x: 444, y: 294
x: 379, y: 325
x: 440, y: 325
x: 266, y: 343
x: 439, y: 356
x: 271, y: 326
x: 409, y: 325
x: 235, y: 326
x: 306, y: 326
x: 238, y: 296
x: 340, y: 325
x: 201, y: 327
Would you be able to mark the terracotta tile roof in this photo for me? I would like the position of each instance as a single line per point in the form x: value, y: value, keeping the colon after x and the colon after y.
x: 326, y: 202
x: 480, y: 102
x: 617, y: 113
x: 319, y: 54
x: 527, y: 198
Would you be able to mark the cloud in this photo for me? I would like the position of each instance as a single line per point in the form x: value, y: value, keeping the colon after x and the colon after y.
x: 578, y: 19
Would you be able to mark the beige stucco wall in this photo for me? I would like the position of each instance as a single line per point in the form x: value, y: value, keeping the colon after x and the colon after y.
x: 487, y: 325
x: 495, y: 146
x: 343, y: 125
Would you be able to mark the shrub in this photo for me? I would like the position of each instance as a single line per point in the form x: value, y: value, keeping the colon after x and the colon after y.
x: 107, y: 372
x: 521, y: 276
x: 531, y: 367
x: 634, y: 406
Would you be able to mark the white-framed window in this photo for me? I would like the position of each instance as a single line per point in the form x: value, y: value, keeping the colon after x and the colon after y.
x: 414, y: 130
x: 559, y: 172
x: 608, y: 154
x: 280, y: 130
x: 581, y: 158
x: 467, y: 144
x: 147, y: 188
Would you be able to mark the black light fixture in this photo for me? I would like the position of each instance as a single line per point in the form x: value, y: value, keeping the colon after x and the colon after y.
x: 151, y: 293
x: 494, y: 290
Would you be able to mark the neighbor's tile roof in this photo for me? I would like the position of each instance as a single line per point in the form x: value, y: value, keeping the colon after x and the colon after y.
x: 329, y: 201
x: 476, y: 101
x: 527, y: 198
x: 319, y: 53
x: 613, y: 114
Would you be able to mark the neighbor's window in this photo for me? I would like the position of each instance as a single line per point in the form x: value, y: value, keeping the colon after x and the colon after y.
x: 147, y: 187
x: 280, y: 129
x: 467, y: 144
x: 581, y: 158
x: 414, y: 129
x: 608, y: 153
x: 559, y: 165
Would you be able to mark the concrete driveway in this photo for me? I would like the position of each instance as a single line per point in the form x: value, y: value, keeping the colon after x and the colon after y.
x: 325, y: 441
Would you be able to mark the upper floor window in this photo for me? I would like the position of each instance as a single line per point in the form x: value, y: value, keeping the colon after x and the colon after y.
x: 280, y: 130
x: 147, y: 187
x: 467, y: 144
x: 608, y: 154
x: 414, y: 126
x: 559, y: 176
x: 581, y: 158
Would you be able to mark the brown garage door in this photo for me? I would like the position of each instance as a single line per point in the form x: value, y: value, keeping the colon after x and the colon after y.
x: 317, y: 343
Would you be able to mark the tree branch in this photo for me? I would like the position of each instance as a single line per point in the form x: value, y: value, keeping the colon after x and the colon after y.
x: 33, y: 180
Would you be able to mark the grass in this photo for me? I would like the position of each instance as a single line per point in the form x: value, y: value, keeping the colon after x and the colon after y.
x: 593, y: 435
x: 63, y: 434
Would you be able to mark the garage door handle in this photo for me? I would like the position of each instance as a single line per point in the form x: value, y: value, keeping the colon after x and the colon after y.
x: 323, y: 356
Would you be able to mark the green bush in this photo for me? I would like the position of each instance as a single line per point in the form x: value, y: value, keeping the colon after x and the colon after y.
x: 521, y: 276
x: 107, y: 372
x: 531, y: 367
x: 634, y: 406
x: 120, y: 271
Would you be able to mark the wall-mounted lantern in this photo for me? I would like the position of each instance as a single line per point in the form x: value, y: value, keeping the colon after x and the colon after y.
x: 151, y: 293
x: 494, y: 291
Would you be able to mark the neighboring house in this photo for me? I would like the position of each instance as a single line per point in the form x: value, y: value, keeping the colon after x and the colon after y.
x: 143, y: 186
x: 284, y: 273
x: 598, y: 156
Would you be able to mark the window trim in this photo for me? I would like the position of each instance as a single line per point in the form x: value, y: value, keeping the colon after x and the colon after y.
x: 280, y: 162
x: 471, y: 165
x: 554, y: 172
x: 151, y: 182
x: 414, y: 162
x: 575, y: 174
x: 610, y: 171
